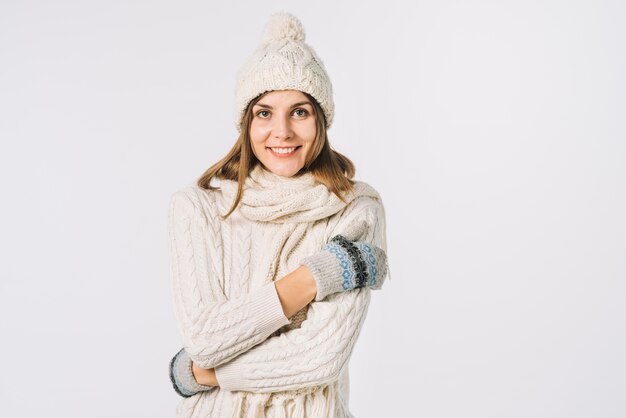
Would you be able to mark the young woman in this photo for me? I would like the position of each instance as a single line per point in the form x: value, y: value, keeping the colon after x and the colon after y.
x: 272, y: 268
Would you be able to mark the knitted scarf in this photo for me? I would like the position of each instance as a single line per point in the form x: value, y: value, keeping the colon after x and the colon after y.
x: 294, y: 202
x: 269, y: 197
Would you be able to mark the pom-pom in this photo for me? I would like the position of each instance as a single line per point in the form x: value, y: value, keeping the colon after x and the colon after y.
x: 283, y: 25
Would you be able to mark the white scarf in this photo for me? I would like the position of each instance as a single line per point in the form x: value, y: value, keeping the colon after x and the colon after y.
x: 268, y: 197
x: 293, y: 202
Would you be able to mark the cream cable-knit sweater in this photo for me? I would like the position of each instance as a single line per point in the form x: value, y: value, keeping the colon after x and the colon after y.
x: 227, y: 308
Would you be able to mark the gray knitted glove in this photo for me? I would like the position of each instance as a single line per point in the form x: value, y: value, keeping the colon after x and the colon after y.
x: 344, y: 265
x: 182, y: 378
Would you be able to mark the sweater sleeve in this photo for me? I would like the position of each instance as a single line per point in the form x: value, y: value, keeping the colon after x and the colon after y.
x: 214, y: 329
x: 317, y: 352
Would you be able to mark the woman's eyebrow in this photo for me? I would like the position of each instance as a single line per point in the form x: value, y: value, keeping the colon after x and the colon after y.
x: 292, y: 106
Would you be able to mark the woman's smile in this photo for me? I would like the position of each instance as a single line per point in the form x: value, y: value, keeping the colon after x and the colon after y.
x: 284, y: 152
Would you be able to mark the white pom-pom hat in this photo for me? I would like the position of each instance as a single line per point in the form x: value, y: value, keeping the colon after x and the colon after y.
x: 283, y: 61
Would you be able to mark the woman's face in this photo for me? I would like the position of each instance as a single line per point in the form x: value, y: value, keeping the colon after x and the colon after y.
x: 283, y: 131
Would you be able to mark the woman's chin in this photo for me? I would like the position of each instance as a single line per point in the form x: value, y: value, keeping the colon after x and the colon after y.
x: 283, y: 171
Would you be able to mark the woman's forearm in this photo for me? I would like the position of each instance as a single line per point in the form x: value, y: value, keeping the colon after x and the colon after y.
x: 296, y: 290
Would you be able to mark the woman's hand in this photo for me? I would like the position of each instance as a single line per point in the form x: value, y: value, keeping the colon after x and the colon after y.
x: 344, y: 265
x: 204, y: 376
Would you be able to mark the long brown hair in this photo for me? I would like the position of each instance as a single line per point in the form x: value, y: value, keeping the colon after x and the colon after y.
x: 328, y: 166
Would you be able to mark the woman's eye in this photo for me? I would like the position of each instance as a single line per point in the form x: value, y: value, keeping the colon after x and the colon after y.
x: 298, y: 112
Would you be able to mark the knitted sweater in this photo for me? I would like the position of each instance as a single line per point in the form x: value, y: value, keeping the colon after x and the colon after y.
x: 227, y: 308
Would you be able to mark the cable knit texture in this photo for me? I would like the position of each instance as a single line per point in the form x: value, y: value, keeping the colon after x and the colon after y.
x: 227, y: 308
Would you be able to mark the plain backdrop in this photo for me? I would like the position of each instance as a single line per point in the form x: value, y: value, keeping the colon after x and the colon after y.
x: 494, y: 131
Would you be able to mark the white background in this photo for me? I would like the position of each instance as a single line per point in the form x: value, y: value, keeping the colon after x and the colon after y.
x: 494, y: 130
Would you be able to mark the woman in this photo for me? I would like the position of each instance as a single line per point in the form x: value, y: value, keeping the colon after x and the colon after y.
x: 272, y: 269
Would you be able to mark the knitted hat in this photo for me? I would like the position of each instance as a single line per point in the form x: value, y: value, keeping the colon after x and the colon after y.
x: 283, y: 61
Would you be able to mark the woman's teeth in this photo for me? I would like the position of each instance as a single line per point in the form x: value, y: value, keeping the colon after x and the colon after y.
x: 283, y: 150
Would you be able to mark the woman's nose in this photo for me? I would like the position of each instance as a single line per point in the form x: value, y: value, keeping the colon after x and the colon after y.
x: 282, y: 127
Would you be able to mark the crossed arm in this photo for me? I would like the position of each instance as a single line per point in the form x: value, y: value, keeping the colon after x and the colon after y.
x: 246, y: 359
x: 295, y: 291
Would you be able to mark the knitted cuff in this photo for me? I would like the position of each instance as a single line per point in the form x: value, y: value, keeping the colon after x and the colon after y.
x: 182, y: 377
x: 375, y: 263
x: 344, y: 265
